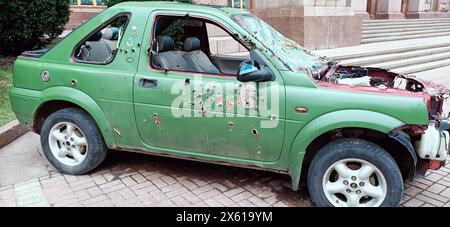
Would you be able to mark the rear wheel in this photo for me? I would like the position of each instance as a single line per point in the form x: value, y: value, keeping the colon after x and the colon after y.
x: 72, y: 142
x: 354, y: 173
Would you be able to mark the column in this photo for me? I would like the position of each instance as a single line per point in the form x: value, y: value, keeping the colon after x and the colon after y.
x: 315, y: 24
x: 389, y: 9
x: 360, y: 7
x: 427, y: 9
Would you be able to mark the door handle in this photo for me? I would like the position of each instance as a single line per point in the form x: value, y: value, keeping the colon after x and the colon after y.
x: 148, y: 83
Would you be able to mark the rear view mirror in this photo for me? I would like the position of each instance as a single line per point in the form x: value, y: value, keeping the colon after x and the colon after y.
x: 254, y: 73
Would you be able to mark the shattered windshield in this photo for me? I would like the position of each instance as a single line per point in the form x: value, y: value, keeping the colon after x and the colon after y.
x: 288, y: 51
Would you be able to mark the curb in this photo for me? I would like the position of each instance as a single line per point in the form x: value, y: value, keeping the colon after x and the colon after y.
x: 10, y: 132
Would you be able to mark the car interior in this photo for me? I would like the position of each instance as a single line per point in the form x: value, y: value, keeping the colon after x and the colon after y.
x: 101, y: 47
x: 184, y: 44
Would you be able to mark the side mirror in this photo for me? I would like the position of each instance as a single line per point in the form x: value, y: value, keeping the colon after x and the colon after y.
x: 253, y: 73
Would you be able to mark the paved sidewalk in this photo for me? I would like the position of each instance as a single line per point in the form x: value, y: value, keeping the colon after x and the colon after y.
x: 127, y: 179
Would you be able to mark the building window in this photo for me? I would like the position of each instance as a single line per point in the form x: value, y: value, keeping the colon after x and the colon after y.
x: 242, y: 4
x: 88, y: 2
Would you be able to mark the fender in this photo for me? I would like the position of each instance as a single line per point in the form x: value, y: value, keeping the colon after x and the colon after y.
x: 84, y: 101
x: 331, y: 121
x: 405, y: 140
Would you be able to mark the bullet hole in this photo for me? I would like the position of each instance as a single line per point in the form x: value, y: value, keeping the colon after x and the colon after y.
x: 255, y: 133
x: 187, y: 82
x: 230, y: 105
x: 158, y: 122
x: 155, y: 115
x: 194, y: 91
x: 74, y: 83
x: 208, y: 90
x: 231, y: 124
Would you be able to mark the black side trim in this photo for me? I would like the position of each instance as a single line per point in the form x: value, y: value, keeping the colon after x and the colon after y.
x: 35, y: 53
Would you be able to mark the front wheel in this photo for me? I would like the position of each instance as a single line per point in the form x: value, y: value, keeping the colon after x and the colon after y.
x: 72, y: 142
x: 354, y: 173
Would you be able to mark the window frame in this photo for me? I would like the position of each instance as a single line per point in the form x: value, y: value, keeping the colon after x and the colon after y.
x: 96, y: 30
x: 231, y: 35
x: 203, y: 19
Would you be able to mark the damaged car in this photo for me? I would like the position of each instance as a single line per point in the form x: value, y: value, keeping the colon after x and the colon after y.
x: 219, y: 85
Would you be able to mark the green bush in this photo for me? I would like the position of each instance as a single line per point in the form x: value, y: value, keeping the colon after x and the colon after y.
x: 26, y: 25
x: 113, y: 2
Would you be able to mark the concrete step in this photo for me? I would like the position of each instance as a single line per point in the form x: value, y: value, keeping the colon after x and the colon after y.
x: 376, y: 49
x: 408, y: 33
x: 422, y: 67
x: 418, y: 60
x: 405, y: 26
x: 403, y: 22
x: 404, y: 37
x: 381, y: 58
x: 402, y: 29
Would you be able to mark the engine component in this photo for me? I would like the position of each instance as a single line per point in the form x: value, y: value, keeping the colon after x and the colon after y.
x: 434, y: 144
x: 361, y: 81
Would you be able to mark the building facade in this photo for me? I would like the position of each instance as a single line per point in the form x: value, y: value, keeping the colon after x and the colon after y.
x: 316, y: 24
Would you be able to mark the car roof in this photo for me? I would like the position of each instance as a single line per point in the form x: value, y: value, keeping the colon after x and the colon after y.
x: 186, y: 6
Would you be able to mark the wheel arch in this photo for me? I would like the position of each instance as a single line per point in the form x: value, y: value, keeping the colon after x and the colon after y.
x: 58, y: 98
x: 317, y: 133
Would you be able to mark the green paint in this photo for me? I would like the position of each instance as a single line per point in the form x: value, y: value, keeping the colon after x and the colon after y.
x: 110, y: 93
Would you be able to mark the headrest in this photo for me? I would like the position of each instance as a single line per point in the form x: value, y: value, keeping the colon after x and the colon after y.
x: 111, y: 33
x: 95, y: 37
x: 165, y: 43
x: 191, y: 44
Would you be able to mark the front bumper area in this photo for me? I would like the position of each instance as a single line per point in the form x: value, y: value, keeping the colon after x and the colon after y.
x: 434, y: 143
x: 433, y: 147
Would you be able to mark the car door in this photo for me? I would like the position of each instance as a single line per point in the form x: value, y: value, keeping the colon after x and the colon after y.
x: 194, y: 113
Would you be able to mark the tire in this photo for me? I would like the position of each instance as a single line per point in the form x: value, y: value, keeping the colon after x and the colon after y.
x: 354, y: 172
x: 72, y: 142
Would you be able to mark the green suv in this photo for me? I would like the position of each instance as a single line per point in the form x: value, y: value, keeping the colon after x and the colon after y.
x: 219, y: 85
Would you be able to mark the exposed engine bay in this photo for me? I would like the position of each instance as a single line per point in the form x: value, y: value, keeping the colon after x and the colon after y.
x: 383, y: 81
x: 431, y: 142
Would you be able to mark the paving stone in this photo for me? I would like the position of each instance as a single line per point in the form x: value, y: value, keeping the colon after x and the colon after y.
x: 436, y: 188
x: 131, y: 180
x: 429, y: 200
x: 446, y: 193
